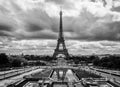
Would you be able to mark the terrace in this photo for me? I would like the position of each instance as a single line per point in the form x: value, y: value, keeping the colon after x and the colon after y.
x: 64, y: 77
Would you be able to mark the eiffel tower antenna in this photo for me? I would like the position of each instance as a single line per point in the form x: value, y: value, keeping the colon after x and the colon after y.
x: 60, y: 8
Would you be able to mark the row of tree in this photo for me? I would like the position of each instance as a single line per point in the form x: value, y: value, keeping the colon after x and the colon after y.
x: 112, y: 62
x: 82, y: 59
x: 18, y: 61
x: 6, y: 61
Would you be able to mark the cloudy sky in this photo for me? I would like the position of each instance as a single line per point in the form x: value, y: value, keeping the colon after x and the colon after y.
x: 31, y: 26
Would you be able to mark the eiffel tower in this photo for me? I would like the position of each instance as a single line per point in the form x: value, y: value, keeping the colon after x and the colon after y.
x: 61, y: 42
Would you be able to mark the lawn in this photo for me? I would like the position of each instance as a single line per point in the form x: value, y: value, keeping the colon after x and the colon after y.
x: 43, y: 74
x: 84, y: 74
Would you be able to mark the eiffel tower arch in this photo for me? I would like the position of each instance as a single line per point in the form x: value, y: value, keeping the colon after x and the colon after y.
x: 61, y: 47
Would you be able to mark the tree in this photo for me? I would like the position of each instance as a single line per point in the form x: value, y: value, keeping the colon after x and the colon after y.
x: 96, y: 62
x: 16, y: 63
x: 3, y: 59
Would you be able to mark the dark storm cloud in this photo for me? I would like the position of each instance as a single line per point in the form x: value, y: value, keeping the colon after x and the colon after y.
x: 110, y: 31
x: 37, y: 20
x: 6, y: 30
x: 4, y: 27
x: 34, y: 27
x: 93, y: 0
x: 40, y: 36
x: 117, y: 9
x: 57, y: 1
x: 104, y: 2
x: 2, y: 33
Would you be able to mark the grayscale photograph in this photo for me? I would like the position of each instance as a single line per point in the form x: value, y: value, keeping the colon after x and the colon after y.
x: 59, y: 43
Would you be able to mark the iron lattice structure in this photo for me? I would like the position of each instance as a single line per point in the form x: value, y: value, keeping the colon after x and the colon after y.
x: 61, y: 42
